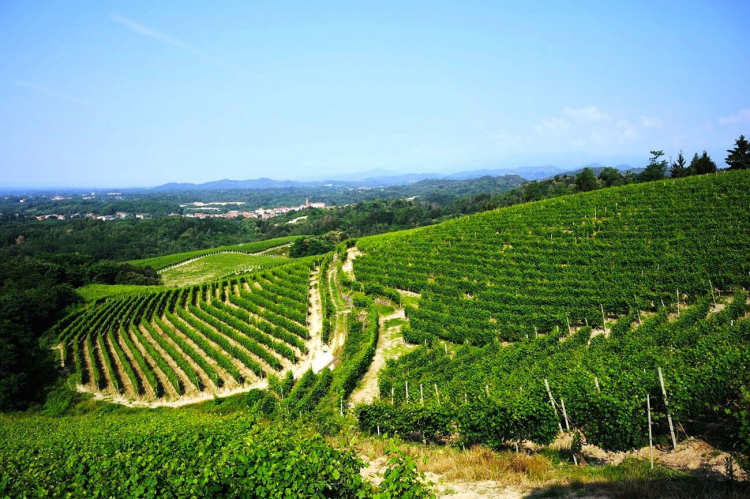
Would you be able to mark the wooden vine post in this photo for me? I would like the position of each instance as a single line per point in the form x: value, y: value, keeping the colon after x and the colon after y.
x: 437, y: 394
x: 392, y: 396
x: 650, y: 437
x: 406, y: 384
x: 421, y: 394
x: 552, y: 401
x: 565, y: 414
x: 666, y: 404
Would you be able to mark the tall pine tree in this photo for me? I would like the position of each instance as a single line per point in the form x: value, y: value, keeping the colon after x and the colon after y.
x: 679, y: 168
x: 739, y: 157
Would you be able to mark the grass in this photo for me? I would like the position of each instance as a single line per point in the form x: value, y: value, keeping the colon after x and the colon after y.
x: 93, y: 292
x: 215, y: 267
x: 160, y: 262
x: 409, y: 300
x: 551, y: 473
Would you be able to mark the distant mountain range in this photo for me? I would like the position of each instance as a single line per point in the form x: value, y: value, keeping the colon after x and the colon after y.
x: 381, y: 178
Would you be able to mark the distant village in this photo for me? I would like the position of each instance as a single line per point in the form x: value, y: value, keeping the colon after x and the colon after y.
x: 262, y: 213
x: 206, y: 210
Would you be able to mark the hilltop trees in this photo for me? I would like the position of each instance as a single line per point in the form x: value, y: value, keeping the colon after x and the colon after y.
x: 679, y: 168
x: 586, y: 180
x: 739, y: 157
x: 656, y: 169
x: 702, y: 164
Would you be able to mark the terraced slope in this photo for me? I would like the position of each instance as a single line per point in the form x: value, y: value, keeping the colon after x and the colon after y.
x: 574, y: 260
x: 194, y: 341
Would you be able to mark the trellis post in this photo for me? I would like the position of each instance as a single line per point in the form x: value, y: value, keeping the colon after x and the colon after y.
x: 650, y: 438
x: 666, y: 404
x: 552, y: 401
x: 565, y: 414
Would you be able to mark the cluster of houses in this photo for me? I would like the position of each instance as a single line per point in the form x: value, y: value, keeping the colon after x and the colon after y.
x: 262, y: 213
x: 119, y: 214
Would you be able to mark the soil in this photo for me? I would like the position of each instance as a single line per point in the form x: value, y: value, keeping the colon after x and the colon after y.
x: 389, y: 340
x: 205, y: 380
x: 147, y: 389
x: 348, y: 265
x: 228, y: 381
x: 128, y: 390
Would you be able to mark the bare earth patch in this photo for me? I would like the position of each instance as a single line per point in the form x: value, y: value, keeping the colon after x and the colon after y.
x: 390, y: 345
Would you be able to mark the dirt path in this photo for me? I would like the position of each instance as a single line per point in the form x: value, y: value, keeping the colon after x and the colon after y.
x: 342, y: 310
x: 390, y: 342
x: 454, y: 489
x: 348, y: 266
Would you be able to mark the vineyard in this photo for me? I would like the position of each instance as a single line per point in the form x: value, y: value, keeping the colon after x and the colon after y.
x: 571, y: 261
x: 197, y: 340
x: 615, y: 316
x: 562, y: 314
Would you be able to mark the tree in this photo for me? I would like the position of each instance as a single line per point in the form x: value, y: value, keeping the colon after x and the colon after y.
x: 702, y: 164
x: 610, y: 176
x: 679, y: 168
x: 656, y: 169
x: 586, y: 180
x: 739, y: 157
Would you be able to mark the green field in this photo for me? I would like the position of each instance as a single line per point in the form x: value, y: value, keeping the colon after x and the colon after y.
x: 93, y: 292
x: 212, y: 267
x: 160, y: 262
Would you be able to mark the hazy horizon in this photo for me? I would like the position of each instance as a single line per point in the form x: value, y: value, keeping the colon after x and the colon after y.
x: 108, y: 95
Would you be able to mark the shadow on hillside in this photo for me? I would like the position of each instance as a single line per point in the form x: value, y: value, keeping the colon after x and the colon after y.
x: 672, y: 488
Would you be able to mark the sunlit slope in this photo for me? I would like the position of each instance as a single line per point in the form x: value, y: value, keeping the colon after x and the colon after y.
x: 571, y: 260
x: 162, y: 262
x: 216, y: 266
x: 189, y: 343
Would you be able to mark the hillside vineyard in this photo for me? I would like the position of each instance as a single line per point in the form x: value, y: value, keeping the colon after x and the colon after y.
x: 606, y: 298
x: 570, y: 261
x: 185, y: 341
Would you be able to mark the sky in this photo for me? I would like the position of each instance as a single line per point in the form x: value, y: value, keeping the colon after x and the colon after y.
x: 122, y: 94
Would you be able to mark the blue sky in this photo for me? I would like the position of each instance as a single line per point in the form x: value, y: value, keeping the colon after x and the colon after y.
x: 97, y: 93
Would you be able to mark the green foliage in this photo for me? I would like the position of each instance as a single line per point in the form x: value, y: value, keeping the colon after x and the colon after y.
x: 493, y: 395
x: 700, y: 165
x: 656, y: 168
x: 586, y: 180
x: 401, y: 478
x: 171, y: 454
x: 679, y: 167
x: 738, y: 158
x: 309, y: 246
x: 162, y: 262
x: 508, y: 273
